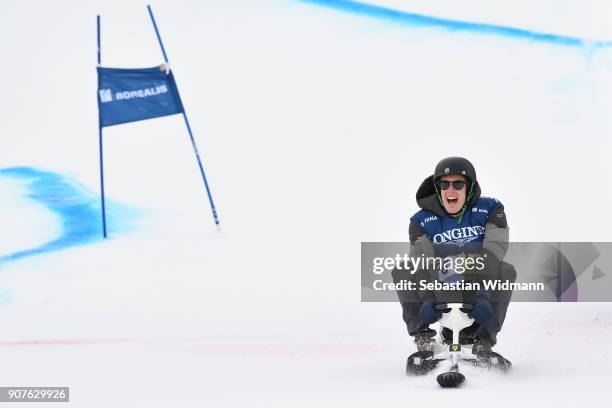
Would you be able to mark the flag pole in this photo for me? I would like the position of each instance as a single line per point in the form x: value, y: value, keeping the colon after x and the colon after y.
x: 193, y: 143
x: 100, y: 139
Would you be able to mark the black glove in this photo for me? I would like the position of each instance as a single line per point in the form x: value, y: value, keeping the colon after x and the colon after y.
x: 428, y: 314
x: 482, y: 311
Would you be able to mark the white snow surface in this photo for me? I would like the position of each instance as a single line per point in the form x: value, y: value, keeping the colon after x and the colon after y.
x: 316, y: 127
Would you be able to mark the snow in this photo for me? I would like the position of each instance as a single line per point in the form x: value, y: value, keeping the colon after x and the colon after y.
x: 316, y: 127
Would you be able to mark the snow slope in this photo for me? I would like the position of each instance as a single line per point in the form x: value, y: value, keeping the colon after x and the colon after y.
x: 316, y: 127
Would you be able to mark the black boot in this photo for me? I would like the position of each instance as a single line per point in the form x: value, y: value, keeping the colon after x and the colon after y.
x: 424, y: 343
x: 424, y: 339
x: 482, y: 345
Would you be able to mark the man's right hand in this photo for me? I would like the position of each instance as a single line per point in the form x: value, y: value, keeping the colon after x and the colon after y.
x: 427, y: 313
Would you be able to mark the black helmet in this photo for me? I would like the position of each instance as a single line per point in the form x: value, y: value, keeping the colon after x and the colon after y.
x: 455, y: 166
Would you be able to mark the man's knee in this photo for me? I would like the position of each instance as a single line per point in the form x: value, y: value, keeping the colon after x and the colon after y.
x: 402, y: 274
x: 507, y: 272
x: 396, y: 274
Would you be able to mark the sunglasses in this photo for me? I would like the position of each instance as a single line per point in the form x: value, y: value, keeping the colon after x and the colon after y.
x: 445, y: 184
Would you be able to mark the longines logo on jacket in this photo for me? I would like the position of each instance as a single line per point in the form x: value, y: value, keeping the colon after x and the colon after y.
x: 452, y: 235
x: 459, y: 236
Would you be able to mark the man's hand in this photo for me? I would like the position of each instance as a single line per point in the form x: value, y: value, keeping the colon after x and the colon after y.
x: 427, y: 313
x: 482, y: 311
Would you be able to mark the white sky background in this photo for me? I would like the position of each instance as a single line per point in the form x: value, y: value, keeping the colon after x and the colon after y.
x: 316, y: 127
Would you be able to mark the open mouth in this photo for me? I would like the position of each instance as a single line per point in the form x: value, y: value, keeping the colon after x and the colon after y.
x: 451, y: 200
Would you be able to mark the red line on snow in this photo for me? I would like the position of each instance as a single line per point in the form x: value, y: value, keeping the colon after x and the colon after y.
x: 67, y: 342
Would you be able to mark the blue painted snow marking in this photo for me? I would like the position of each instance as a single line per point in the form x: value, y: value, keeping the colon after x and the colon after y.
x: 414, y: 19
x: 6, y: 297
x: 77, y: 208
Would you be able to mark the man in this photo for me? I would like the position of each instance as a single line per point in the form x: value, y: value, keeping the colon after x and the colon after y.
x: 455, y: 221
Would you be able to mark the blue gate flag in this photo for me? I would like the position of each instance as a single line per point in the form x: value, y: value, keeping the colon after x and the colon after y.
x: 128, y: 95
